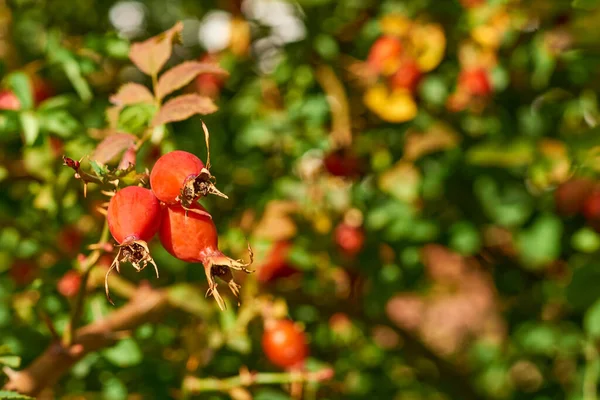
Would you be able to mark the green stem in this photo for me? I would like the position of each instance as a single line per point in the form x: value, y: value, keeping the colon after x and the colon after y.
x: 196, y: 385
x: 85, y: 267
x: 591, y: 372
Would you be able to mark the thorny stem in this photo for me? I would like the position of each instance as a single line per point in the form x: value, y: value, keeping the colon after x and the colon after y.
x: 85, y: 267
x: 194, y: 385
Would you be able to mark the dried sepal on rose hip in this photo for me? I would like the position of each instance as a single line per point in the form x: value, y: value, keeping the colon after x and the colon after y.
x: 192, y: 237
x: 179, y: 177
x: 133, y: 216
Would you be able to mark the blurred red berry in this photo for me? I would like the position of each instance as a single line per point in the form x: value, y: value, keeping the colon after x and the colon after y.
x: 570, y: 196
x: 9, y: 101
x: 69, y: 240
x: 41, y: 90
x: 69, y: 284
x: 284, y: 344
x: 343, y: 163
x: 475, y: 81
x: 23, y: 272
x: 384, y: 55
x: 591, y: 209
x: 209, y: 84
x: 472, y: 3
x: 349, y: 238
x: 276, y: 265
x: 407, y: 76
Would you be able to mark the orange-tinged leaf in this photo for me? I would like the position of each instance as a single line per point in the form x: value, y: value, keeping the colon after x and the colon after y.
x: 183, y: 107
x: 429, y: 42
x: 182, y: 74
x: 132, y: 93
x: 151, y: 55
x: 112, y: 146
x: 112, y: 116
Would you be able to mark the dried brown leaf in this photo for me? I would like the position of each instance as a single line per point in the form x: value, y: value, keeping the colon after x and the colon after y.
x: 183, y: 107
x: 182, y: 74
x: 112, y: 146
x: 438, y: 138
x: 132, y: 93
x: 151, y: 55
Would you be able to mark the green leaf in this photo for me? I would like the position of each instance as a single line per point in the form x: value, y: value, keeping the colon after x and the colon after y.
x: 11, y: 361
x: 583, y: 288
x: 75, y: 75
x: 126, y: 353
x: 100, y: 170
x: 270, y: 394
x: 20, y: 84
x: 31, y: 127
x: 515, y: 154
x: 8, y: 395
x: 591, y: 320
x: 59, y: 122
x: 541, y: 243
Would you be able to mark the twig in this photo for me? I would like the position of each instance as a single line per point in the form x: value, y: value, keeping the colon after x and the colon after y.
x: 194, y: 385
x: 145, y: 306
x: 85, y: 267
x: 341, y: 132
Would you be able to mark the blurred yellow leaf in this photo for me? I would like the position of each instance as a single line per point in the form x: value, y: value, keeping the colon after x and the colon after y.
x: 429, y: 42
x: 391, y: 106
x: 240, y: 37
x: 395, y: 25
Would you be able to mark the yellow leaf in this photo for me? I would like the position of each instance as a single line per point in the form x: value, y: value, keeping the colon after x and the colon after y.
x: 395, y: 25
x: 397, y: 106
x: 429, y: 42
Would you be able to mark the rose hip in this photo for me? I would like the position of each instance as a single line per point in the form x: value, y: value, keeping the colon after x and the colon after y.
x: 133, y: 216
x: 179, y: 177
x: 192, y: 237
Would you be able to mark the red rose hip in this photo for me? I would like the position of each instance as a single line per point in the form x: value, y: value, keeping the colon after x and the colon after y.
x: 284, y: 343
x: 133, y: 219
x: 179, y: 177
x: 192, y: 237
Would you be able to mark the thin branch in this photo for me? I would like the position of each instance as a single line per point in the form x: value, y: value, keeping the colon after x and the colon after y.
x: 341, y: 131
x: 85, y: 267
x: 195, y: 385
x: 145, y: 306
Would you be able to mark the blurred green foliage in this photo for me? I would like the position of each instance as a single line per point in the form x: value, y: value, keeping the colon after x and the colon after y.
x: 470, y: 283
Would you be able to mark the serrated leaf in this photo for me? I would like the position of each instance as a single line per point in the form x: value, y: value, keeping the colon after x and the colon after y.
x: 8, y: 395
x: 112, y: 146
x: 151, y: 55
x: 183, y: 107
x: 31, y: 127
x: 182, y: 74
x: 20, y: 84
x: 132, y: 93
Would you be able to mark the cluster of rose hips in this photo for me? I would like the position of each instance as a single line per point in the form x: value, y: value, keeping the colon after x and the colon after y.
x: 387, y: 57
x: 186, y: 230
